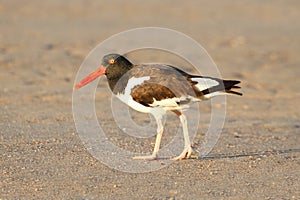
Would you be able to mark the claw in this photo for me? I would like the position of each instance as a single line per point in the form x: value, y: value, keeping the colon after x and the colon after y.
x: 187, y: 152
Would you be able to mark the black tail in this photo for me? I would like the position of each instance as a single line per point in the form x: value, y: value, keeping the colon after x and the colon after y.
x: 231, y: 84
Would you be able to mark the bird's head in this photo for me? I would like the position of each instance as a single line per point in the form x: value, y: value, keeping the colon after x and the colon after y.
x: 113, y: 66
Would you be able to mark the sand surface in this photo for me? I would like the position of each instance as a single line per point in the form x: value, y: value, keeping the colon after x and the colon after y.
x: 44, y: 43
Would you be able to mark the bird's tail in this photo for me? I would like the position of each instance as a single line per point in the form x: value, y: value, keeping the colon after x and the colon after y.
x: 231, y: 84
x: 207, y: 87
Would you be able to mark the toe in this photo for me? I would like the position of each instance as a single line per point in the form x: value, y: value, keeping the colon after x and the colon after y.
x: 187, y: 152
x: 150, y: 157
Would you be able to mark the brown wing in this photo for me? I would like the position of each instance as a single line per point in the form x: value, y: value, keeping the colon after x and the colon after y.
x: 164, y: 83
x: 146, y: 93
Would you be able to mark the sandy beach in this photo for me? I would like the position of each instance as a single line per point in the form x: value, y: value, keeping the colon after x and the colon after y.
x: 42, y: 47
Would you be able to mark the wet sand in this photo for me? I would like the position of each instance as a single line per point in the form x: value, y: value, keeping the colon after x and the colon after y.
x: 42, y: 47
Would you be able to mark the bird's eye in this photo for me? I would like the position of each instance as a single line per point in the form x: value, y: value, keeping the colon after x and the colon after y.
x: 111, y: 61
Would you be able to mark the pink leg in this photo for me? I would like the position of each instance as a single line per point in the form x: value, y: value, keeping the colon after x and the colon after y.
x: 187, y: 151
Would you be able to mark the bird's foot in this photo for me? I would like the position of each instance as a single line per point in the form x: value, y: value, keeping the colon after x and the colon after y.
x: 150, y: 157
x: 186, y: 153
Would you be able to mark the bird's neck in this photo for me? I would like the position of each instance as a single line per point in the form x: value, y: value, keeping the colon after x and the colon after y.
x: 118, y: 78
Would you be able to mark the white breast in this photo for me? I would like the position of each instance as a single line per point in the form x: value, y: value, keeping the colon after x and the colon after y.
x: 127, y: 98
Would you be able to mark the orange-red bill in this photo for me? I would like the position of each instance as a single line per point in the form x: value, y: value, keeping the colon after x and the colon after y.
x: 89, y: 78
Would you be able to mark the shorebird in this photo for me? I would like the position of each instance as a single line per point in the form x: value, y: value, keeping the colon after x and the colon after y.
x: 156, y: 89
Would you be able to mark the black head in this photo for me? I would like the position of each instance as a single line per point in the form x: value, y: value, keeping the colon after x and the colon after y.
x: 116, y: 66
x: 115, y: 60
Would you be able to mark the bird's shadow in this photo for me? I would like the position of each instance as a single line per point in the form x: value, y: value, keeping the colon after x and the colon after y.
x: 246, y: 154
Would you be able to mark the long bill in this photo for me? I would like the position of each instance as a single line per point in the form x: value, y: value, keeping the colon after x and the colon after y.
x: 89, y: 78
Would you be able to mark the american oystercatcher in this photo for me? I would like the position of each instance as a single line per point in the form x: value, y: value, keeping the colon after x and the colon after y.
x: 157, y: 88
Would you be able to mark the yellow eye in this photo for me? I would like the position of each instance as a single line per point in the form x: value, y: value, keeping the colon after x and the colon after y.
x: 111, y: 61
